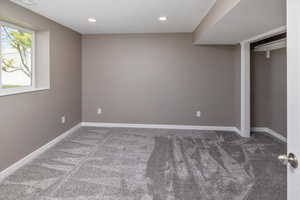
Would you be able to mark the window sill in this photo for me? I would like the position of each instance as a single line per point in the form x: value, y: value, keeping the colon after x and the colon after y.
x: 15, y: 91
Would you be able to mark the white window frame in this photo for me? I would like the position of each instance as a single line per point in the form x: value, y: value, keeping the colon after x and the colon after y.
x: 11, y: 91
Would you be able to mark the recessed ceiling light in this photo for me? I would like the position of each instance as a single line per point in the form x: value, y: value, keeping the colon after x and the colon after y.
x: 162, y: 18
x: 92, y: 20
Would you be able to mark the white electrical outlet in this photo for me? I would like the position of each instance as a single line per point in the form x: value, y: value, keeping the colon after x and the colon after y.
x: 198, y: 114
x: 99, y: 111
x: 63, y: 119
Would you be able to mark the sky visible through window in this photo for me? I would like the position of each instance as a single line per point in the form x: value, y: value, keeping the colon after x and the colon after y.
x: 16, y: 66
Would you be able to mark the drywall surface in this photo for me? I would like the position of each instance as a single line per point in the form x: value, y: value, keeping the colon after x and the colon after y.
x: 237, y: 85
x: 30, y: 120
x: 269, y: 91
x: 233, y: 21
x: 158, y: 79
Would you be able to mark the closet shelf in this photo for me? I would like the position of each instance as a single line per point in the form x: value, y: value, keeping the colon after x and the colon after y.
x: 279, y: 44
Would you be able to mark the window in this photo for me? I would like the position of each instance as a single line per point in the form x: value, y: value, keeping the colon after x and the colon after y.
x: 16, y: 58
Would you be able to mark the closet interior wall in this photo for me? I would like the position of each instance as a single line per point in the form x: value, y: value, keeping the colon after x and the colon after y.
x: 269, y: 90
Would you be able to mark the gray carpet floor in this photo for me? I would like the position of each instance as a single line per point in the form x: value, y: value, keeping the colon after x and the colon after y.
x: 146, y: 164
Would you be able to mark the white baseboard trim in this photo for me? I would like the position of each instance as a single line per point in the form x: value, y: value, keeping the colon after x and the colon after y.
x: 162, y: 126
x: 8, y: 171
x: 270, y: 132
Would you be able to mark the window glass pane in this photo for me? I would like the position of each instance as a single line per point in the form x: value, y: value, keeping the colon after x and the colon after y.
x: 16, y: 50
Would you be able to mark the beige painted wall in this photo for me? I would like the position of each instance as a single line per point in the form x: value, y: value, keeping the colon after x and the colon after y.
x: 237, y: 85
x: 28, y: 121
x: 158, y: 79
x: 269, y: 91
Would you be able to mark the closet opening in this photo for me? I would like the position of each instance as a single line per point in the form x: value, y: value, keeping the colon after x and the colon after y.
x: 268, y: 78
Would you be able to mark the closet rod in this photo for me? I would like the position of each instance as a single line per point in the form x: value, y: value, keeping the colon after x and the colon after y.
x: 268, y: 40
x: 279, y: 44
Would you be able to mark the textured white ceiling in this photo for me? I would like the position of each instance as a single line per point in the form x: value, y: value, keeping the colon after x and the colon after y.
x: 124, y: 16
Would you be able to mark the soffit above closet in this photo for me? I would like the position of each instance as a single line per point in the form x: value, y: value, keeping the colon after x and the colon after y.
x: 244, y: 20
x: 122, y: 16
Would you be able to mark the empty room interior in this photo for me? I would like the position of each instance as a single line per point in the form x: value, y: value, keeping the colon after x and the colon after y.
x: 143, y: 100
